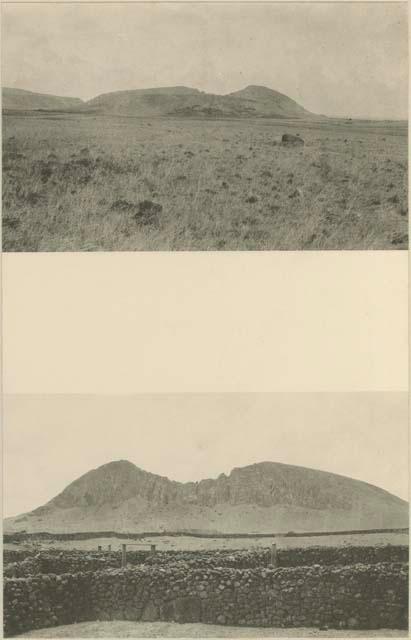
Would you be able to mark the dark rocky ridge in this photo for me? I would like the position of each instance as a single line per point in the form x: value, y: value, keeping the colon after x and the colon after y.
x: 259, y: 498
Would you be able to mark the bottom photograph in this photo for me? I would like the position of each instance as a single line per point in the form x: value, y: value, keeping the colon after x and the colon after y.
x: 206, y: 515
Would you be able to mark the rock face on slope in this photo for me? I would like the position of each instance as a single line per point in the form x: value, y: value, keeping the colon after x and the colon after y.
x: 21, y: 100
x: 260, y: 498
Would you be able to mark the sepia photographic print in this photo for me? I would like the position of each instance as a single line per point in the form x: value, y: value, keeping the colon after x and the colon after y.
x: 204, y: 126
x: 204, y: 322
x: 206, y: 515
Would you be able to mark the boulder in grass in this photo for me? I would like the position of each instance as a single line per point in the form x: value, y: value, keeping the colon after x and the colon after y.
x: 289, y: 140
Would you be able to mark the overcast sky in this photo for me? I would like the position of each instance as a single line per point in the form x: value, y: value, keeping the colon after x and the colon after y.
x: 333, y: 58
x: 49, y: 441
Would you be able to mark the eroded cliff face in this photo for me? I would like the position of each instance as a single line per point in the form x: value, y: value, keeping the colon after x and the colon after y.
x: 263, y: 485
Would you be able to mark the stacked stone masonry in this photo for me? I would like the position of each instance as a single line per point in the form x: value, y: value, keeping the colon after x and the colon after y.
x: 23, y: 563
x: 359, y: 596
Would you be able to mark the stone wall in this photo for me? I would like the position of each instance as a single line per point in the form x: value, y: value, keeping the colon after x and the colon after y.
x: 16, y: 555
x: 73, y: 561
x: 335, y: 596
x: 343, y: 555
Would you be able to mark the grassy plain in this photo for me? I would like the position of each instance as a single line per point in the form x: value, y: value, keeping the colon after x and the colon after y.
x: 83, y: 182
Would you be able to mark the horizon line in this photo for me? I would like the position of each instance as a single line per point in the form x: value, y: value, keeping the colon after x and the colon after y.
x: 182, y: 86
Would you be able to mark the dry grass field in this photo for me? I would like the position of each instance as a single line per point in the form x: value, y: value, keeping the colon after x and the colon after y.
x: 81, y: 182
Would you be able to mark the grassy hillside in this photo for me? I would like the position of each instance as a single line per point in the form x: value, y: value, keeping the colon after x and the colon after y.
x: 270, y: 103
x: 21, y: 100
x: 187, y: 102
x: 165, y: 102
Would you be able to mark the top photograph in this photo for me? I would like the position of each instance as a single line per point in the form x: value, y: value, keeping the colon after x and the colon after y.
x: 204, y: 126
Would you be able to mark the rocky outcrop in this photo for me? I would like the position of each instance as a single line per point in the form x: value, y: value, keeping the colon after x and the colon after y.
x: 289, y: 140
x: 259, y: 498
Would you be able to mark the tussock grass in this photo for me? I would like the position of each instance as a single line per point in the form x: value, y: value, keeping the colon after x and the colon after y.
x: 99, y: 183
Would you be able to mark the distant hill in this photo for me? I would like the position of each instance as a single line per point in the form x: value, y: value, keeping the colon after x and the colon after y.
x: 260, y: 498
x: 267, y: 102
x: 183, y: 101
x: 21, y: 100
x: 169, y: 101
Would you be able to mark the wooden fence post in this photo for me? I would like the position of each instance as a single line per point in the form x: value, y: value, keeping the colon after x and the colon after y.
x: 274, y: 555
x: 123, y: 555
x: 153, y: 547
x: 109, y: 547
x: 99, y: 548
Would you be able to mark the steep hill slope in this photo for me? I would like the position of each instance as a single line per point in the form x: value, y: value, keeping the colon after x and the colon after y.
x: 260, y: 498
x: 21, y: 100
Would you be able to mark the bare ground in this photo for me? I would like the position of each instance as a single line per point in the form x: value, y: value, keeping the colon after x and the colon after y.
x: 125, y: 629
x: 187, y: 543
